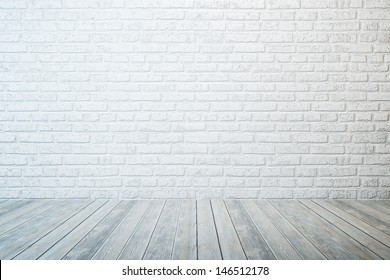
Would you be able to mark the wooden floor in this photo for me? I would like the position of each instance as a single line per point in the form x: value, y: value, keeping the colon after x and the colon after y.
x: 194, y: 229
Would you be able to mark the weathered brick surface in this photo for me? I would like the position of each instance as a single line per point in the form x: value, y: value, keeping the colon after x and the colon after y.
x: 194, y: 99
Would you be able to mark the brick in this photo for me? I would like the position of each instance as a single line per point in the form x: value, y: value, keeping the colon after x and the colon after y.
x: 343, y: 194
x: 377, y: 4
x: 308, y: 4
x: 212, y: 160
x: 373, y: 14
x: 336, y: 172
x: 280, y: 4
x: 310, y: 138
x: 38, y: 194
x: 225, y: 149
x: 204, y: 172
x: 282, y: 160
x: 259, y: 149
x: 374, y: 171
x: 316, y: 149
x: 9, y: 4
x: 276, y: 38
x: 238, y: 15
x: 168, y: 171
x: 290, y: 149
x: 329, y: 107
x: 337, y: 15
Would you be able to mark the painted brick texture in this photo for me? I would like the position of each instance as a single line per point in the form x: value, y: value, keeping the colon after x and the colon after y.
x: 194, y: 99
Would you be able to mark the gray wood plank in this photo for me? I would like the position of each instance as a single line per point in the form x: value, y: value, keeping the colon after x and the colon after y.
x: 255, y: 247
x: 229, y: 242
x: 3, y: 200
x: 46, y: 242
x: 6, y: 203
x: 11, y: 205
x: 34, y: 229
x: 373, y: 232
x: 115, y: 243
x: 63, y: 246
x: 329, y: 247
x: 208, y: 244
x: 278, y: 244
x: 382, y: 210
x: 361, y: 237
x: 304, y: 248
x: 9, y: 236
x: 89, y: 245
x: 363, y: 213
x: 185, y: 242
x: 161, y: 243
x: 384, y: 202
x: 23, y: 214
x: 336, y: 234
x: 138, y: 242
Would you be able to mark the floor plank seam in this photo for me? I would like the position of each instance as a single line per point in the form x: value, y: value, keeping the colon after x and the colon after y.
x: 52, y: 229
x: 360, y: 229
x: 265, y: 240
x: 347, y: 233
x: 239, y: 240
x: 154, y: 228
x: 81, y: 239
x: 196, y: 217
x: 132, y: 234
x: 176, y: 231
x: 98, y: 223
x: 320, y: 217
x: 216, y: 230
x: 113, y: 230
x: 72, y: 230
x: 304, y: 236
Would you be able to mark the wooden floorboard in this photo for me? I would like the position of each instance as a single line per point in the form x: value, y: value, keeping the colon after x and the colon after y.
x: 303, y: 246
x: 186, y: 240
x: 229, y: 242
x: 136, y: 245
x: 3, y: 200
x: 63, y: 246
x: 364, y: 239
x: 380, y: 209
x: 23, y: 214
x: 328, y: 247
x: 208, y: 244
x: 385, y: 202
x: 350, y: 244
x: 278, y: 244
x: 194, y: 229
x: 114, y: 244
x: 40, y: 226
x: 256, y: 248
x: 161, y: 242
x: 8, y: 236
x: 37, y: 249
x: 9, y: 205
x: 362, y: 226
x: 89, y: 245
x: 364, y: 213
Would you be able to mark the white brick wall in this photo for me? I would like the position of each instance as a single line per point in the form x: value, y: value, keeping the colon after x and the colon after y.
x: 194, y: 98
